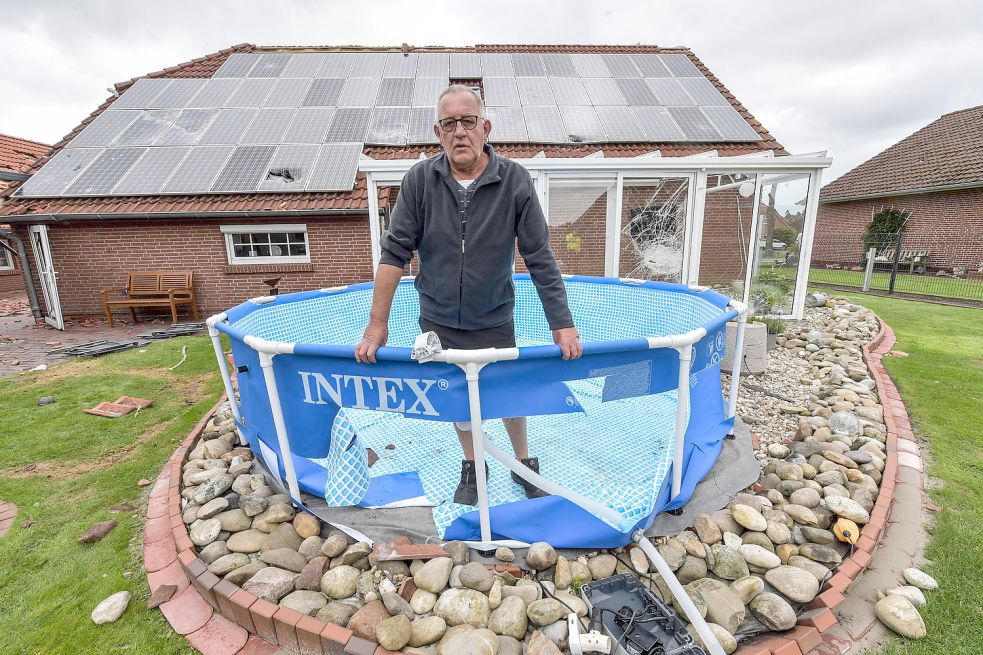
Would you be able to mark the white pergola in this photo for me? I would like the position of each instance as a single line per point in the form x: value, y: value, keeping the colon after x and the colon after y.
x: 759, y: 168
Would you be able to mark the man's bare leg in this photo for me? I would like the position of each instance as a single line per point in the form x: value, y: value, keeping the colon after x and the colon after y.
x: 516, y: 429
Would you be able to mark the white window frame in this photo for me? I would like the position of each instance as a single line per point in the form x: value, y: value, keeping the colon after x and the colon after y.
x: 6, y: 259
x: 229, y: 230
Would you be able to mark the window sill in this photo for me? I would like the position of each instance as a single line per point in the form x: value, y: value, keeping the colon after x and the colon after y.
x: 245, y: 269
x: 9, y: 271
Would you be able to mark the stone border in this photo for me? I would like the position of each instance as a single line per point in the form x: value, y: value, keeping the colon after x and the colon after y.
x: 8, y: 512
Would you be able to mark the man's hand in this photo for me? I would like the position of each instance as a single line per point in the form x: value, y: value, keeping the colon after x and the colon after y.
x: 375, y: 336
x: 569, y: 342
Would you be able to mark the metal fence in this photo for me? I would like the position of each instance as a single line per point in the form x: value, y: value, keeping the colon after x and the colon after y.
x: 894, y: 267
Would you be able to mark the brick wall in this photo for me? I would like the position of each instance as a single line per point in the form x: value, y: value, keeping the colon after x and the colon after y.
x: 726, y: 235
x: 949, y: 224
x: 11, y: 280
x: 94, y: 255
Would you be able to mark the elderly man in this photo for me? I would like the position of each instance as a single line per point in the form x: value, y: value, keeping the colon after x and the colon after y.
x: 463, y: 211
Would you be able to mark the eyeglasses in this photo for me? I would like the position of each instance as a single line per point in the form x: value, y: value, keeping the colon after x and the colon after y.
x: 450, y: 124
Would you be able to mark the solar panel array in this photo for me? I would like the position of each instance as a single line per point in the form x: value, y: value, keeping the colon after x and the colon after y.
x: 281, y: 121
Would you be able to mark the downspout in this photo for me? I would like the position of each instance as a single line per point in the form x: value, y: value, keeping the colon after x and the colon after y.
x: 32, y: 292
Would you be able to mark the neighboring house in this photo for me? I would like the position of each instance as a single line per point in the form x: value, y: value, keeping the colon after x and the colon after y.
x: 184, y: 178
x: 936, y: 175
x: 17, y: 156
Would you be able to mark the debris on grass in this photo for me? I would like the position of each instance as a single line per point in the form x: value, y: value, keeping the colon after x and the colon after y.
x: 46, y: 400
x: 184, y: 358
x: 97, y: 531
x: 119, y: 407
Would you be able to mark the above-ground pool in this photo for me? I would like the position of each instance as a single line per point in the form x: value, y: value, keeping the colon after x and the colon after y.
x: 604, y: 426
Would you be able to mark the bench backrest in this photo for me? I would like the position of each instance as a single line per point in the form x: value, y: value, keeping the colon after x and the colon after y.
x: 145, y: 284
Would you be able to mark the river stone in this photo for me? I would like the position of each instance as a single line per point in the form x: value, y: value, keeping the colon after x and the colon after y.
x: 912, y: 593
x: 307, y: 525
x: 526, y: 593
x: 540, y: 556
x: 422, y: 601
x: 724, y: 607
x: 311, y: 548
x: 727, y: 562
x: 750, y: 538
x: 310, y: 577
x: 820, y: 571
x: 794, y: 583
x: 747, y: 587
x: 304, y: 601
x: 458, y: 551
x: 801, y: 514
x: 508, y: 646
x: 732, y: 540
x: 789, y: 471
x: 270, y: 584
x: 355, y: 553
x: 213, y: 551
x: 334, y: 545
x: 336, y: 612
x: 900, y: 615
x: 247, y: 541
x: 673, y: 552
x: 758, y: 556
x: 239, y: 576
x: 234, y: 520
x: 920, y: 579
x: 284, y: 558
x: 212, y: 507
x: 540, y: 644
x: 396, y: 604
x: 691, y: 542
x: 366, y: 586
x: 476, y: 576
x: 252, y: 504
x: 749, y: 517
x: 820, y: 553
x: 434, y: 575
x: 571, y: 602
x: 817, y: 536
x: 510, y: 618
x: 806, y: 497
x: 773, y: 611
x: 785, y: 551
x: 504, y: 554
x: 393, y: 633
x: 580, y: 572
x: 212, y: 489
x: 848, y: 509
x: 778, y: 533
x: 707, y: 529
x: 426, y: 631
x: 205, y: 532
x: 545, y: 611
x: 363, y: 622
x: 562, y: 576
x: 726, y: 640
x: 340, y: 582
x: 272, y: 515
x: 473, y: 642
x: 602, y: 566
x: 228, y: 563
x: 455, y: 580
x: 692, y: 569
x: 110, y: 609
x: 395, y: 568
x: 495, y: 594
x: 459, y: 606
x: 725, y: 521
x: 694, y: 596
x: 830, y: 477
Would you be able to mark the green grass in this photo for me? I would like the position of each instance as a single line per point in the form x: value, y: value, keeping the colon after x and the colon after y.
x: 942, y: 385
x: 924, y: 285
x: 64, y: 469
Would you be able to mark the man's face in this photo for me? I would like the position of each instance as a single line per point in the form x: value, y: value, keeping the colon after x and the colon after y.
x: 463, y: 147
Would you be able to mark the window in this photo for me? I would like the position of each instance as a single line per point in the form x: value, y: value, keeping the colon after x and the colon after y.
x: 266, y: 244
x: 6, y: 259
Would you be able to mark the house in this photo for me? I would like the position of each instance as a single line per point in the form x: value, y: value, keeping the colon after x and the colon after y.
x: 16, y: 158
x: 266, y: 168
x: 935, y: 175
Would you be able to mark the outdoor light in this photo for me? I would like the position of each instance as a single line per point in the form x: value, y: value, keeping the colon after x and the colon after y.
x: 746, y: 189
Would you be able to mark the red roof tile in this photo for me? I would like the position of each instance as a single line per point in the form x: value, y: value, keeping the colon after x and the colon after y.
x: 18, y: 155
x: 944, y: 153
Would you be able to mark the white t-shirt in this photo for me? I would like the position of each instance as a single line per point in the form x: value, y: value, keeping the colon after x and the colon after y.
x: 465, y: 183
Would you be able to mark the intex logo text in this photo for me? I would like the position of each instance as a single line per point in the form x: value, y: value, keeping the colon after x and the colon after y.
x: 390, y: 392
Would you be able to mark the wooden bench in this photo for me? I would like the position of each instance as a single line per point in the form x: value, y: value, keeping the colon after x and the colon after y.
x: 910, y: 257
x: 160, y: 289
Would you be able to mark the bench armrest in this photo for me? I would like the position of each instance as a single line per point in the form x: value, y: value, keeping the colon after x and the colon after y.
x: 106, y: 292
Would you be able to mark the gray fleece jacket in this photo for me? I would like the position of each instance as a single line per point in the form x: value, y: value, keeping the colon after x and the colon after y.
x: 466, y: 243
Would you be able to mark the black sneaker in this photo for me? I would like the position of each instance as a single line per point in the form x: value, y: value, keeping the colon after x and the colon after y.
x: 467, y: 490
x: 532, y: 491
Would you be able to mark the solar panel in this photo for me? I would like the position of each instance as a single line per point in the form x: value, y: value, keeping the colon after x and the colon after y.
x: 621, y: 66
x: 323, y: 92
x: 187, y: 128
x: 657, y: 124
x: 245, y: 167
x: 147, y: 127
x: 177, y: 94
x: 388, y: 126
x: 104, y: 128
x: 703, y: 92
x: 304, y: 64
x: 359, y: 92
x: 695, y: 126
x: 269, y: 125
x: 228, y: 127
x: 420, y: 129
x: 588, y: 65
x: 215, y: 93
x: 237, y: 65
x: 528, y: 64
x: 149, y: 173
x: 535, y: 91
x: 569, y: 91
x: 681, y: 66
x: 731, y: 124
x: 582, y: 125
x: 650, y: 66
x: 270, y: 65
x: 636, y: 91
x: 288, y: 92
x: 141, y: 94
x: 544, y: 125
x: 496, y: 64
x: 559, y: 65
x: 603, y: 91
x: 368, y: 64
x: 466, y: 65
x: 348, y: 123
x: 619, y: 124
x: 59, y: 172
x: 508, y: 125
x: 310, y: 124
x: 432, y: 64
x: 395, y: 92
x: 669, y: 92
x: 336, y: 167
x: 427, y: 90
x: 290, y: 169
x: 500, y: 92
x: 251, y: 93
x: 198, y: 170
x: 400, y: 65
x: 103, y: 174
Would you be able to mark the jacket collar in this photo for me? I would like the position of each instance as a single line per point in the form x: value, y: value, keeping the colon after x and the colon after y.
x: 490, y: 174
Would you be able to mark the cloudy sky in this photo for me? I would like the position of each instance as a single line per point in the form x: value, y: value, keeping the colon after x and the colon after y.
x: 847, y: 77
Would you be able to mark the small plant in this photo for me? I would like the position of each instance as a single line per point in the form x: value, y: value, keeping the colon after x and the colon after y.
x: 772, y: 325
x: 577, y: 585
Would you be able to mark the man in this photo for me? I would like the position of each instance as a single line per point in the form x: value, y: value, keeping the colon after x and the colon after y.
x: 462, y: 211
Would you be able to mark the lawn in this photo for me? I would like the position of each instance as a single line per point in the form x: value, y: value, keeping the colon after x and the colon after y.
x: 942, y: 385
x: 925, y: 285
x: 64, y: 469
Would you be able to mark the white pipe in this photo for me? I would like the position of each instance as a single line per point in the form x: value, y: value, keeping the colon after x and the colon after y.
x: 223, y: 366
x: 266, y: 363
x: 689, y: 609
x: 677, y: 340
x: 269, y: 347
x: 736, y: 362
x: 682, y: 405
x: 480, y: 356
x: 471, y: 370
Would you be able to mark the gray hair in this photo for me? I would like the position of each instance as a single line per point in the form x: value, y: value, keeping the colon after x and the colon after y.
x: 460, y: 88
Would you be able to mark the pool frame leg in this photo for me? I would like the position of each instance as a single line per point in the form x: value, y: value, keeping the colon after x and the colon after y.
x: 737, y: 362
x: 223, y: 366
x: 266, y: 363
x: 471, y: 370
x: 682, y: 422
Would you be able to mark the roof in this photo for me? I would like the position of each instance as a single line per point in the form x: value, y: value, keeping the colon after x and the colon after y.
x: 356, y: 200
x: 18, y: 155
x: 947, y: 153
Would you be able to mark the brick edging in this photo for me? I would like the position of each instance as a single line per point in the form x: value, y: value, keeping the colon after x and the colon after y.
x: 8, y: 512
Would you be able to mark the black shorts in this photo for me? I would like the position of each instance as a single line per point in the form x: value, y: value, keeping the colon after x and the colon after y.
x: 501, y: 336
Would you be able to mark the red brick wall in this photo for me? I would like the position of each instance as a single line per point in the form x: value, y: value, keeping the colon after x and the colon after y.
x: 94, y: 255
x: 949, y: 224
x: 11, y: 280
x: 726, y: 232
